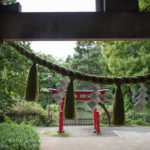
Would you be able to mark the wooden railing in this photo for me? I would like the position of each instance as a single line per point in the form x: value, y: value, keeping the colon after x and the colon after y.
x: 79, y: 121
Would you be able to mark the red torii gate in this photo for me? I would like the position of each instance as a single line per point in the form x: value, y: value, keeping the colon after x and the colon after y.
x: 78, y: 98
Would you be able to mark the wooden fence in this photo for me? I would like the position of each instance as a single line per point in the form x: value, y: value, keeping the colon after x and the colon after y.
x: 34, y: 119
x: 41, y: 119
x: 79, y: 121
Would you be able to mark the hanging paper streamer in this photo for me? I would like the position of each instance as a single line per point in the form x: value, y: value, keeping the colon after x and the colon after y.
x: 142, y: 98
x: 32, y: 88
x: 118, y: 114
x: 92, y: 105
x: 94, y: 97
x: 69, y: 109
x: 134, y: 96
x: 61, y: 91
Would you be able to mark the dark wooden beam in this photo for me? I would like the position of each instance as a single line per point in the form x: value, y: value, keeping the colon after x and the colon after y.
x: 16, y: 7
x: 121, y: 5
x: 99, y: 5
x: 117, y: 5
x: 75, y: 26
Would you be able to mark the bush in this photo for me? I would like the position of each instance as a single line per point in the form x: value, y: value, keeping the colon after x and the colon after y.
x: 18, y: 137
x: 28, y: 108
x: 33, y: 113
x: 129, y: 122
x: 141, y: 122
x: 103, y: 121
x: 28, y: 112
x: 139, y: 119
x: 54, y: 112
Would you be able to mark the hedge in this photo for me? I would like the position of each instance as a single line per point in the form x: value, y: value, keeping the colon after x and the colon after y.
x: 18, y: 137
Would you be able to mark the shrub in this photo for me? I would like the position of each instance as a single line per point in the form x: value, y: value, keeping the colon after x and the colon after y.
x: 33, y: 113
x: 129, y: 122
x: 54, y: 112
x: 18, y: 137
x: 139, y: 119
x: 28, y: 108
x: 141, y: 122
x: 28, y: 112
x: 103, y: 121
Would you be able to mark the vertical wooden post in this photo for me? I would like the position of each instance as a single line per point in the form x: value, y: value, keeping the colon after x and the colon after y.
x: 62, y: 104
x: 97, y: 123
x: 61, y: 118
x: 95, y: 120
x: 2, y: 2
x: 99, y: 5
x: 61, y: 121
x: 121, y: 5
x: 1, y: 42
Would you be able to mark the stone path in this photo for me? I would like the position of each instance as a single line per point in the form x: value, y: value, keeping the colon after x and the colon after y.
x: 111, y: 138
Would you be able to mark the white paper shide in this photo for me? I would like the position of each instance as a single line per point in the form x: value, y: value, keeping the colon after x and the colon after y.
x: 94, y: 97
x: 61, y: 90
x: 141, y: 99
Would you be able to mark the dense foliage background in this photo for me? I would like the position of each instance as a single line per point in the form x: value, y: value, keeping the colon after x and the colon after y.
x: 119, y: 58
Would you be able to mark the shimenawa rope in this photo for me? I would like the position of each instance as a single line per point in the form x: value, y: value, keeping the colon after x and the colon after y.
x: 80, y: 76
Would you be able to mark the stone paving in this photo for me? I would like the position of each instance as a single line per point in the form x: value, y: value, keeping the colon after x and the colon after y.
x: 111, y: 138
x: 80, y: 131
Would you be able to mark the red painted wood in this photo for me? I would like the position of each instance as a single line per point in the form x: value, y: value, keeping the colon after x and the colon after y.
x: 62, y: 104
x: 97, y: 123
x: 84, y: 92
x: 82, y: 99
x: 102, y: 98
x: 102, y: 92
x: 94, y: 115
x: 78, y: 92
x: 87, y: 99
x: 54, y: 91
x: 61, y: 119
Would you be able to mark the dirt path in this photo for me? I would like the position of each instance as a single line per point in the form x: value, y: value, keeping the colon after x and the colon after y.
x: 112, y: 138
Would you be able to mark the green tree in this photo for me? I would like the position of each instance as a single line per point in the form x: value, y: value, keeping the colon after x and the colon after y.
x: 47, y: 79
x: 87, y: 60
x: 13, y: 73
x: 143, y: 4
x: 127, y: 59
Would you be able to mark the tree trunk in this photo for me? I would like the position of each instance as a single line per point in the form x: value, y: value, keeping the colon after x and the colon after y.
x: 107, y: 112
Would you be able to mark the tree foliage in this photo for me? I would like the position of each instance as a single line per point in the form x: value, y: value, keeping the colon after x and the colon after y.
x: 127, y: 58
x: 47, y: 79
x: 86, y: 59
x: 13, y: 73
x: 143, y: 4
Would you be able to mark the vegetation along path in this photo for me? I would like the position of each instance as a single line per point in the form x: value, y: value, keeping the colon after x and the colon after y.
x: 82, y: 138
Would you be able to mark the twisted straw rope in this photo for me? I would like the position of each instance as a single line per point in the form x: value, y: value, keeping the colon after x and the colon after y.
x: 77, y: 75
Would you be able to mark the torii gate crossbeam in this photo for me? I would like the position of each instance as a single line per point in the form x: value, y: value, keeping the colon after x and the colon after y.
x: 78, y: 98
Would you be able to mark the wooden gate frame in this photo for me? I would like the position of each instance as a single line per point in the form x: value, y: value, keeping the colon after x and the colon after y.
x: 113, y: 20
x: 96, y: 115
